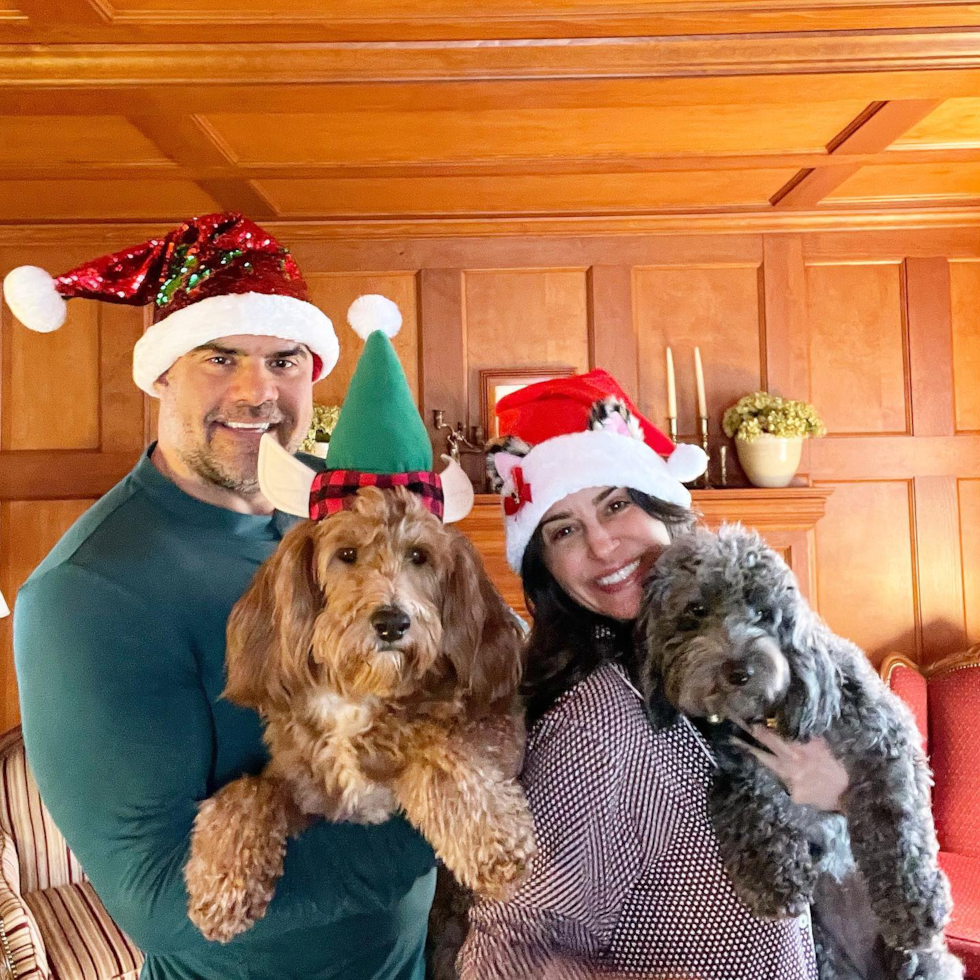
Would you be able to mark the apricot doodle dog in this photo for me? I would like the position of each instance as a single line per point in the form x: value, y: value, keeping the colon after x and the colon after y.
x: 385, y: 666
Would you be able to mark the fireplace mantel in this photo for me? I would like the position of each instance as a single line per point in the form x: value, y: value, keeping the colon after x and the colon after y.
x: 785, y: 517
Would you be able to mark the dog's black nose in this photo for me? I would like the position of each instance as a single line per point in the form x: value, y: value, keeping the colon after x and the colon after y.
x: 739, y: 674
x: 390, y: 623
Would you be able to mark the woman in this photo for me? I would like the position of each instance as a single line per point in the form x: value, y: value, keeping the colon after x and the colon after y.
x: 628, y: 878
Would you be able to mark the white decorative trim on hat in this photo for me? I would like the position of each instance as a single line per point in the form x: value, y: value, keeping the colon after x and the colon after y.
x: 252, y: 314
x: 566, y: 464
x: 31, y: 295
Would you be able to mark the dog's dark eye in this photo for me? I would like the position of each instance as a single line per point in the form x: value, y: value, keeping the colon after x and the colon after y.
x: 692, y: 616
x: 347, y: 555
x: 418, y: 556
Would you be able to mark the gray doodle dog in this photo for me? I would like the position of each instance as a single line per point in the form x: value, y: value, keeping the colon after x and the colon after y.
x: 724, y: 632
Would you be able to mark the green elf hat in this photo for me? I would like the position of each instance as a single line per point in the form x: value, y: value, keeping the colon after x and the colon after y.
x: 379, y: 440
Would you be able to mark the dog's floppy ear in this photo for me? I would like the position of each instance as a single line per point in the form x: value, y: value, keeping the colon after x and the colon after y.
x: 271, y: 627
x: 481, y: 637
x: 812, y: 702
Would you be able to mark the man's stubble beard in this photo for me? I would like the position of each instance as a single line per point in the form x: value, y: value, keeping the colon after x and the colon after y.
x: 208, y: 464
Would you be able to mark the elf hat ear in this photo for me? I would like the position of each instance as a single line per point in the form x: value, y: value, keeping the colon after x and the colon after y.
x: 504, y: 464
x: 457, y: 492
x: 285, y: 481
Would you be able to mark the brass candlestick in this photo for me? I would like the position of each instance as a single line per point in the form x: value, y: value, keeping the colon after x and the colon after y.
x: 672, y: 428
x: 723, y: 454
x: 703, y: 424
x: 457, y: 440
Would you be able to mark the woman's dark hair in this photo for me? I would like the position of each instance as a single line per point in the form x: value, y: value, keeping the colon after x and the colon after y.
x: 567, y: 641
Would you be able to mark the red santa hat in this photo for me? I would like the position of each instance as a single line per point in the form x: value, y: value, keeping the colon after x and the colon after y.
x: 216, y: 276
x: 582, y: 432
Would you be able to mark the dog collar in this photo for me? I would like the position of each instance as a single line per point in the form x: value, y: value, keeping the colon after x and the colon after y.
x: 334, y: 490
x: 771, y: 722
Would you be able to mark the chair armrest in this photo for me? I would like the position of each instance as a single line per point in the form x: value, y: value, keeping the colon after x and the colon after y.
x: 905, y: 678
x: 21, y: 946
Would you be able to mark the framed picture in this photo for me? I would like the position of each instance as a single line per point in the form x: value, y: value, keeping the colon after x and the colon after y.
x: 495, y: 383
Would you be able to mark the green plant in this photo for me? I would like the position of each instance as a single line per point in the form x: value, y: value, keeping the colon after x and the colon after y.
x: 323, y: 422
x: 760, y: 412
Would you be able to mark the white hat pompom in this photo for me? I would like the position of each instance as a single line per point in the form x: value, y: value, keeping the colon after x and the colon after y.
x: 373, y: 312
x: 686, y: 462
x: 31, y: 295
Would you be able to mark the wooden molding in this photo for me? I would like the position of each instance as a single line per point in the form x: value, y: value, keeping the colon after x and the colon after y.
x: 443, y: 379
x: 789, y: 509
x: 106, y: 66
x: 612, y: 332
x: 930, y: 337
x: 938, y: 565
x: 344, y: 21
x: 836, y: 459
x: 740, y: 223
x: 872, y: 132
x: 55, y: 474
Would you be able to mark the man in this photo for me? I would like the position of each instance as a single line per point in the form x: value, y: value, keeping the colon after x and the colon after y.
x: 119, y: 634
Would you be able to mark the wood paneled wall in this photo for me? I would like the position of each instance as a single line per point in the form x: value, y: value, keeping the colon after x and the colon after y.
x: 880, y: 329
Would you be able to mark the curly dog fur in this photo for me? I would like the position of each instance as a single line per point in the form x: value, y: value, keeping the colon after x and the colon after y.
x: 385, y: 667
x: 725, y: 632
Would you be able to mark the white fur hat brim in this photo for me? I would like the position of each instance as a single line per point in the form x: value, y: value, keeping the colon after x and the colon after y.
x: 566, y: 464
x: 252, y: 314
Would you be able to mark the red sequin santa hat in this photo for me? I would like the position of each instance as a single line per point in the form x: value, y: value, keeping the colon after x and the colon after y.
x: 581, y: 432
x: 219, y: 275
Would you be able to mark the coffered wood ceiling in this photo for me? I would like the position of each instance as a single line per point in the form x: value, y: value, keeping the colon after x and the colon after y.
x: 409, y: 114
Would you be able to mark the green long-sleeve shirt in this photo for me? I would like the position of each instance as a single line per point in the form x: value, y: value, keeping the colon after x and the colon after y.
x: 119, y: 640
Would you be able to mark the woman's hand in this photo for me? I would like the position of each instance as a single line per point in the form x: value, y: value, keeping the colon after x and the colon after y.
x: 809, y: 771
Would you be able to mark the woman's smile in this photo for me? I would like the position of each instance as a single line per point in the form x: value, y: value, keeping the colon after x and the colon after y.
x: 599, y: 546
x: 619, y: 578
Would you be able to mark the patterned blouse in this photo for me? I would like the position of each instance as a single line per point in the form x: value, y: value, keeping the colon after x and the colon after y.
x: 628, y: 880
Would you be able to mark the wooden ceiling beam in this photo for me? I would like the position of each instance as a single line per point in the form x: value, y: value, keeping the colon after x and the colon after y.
x: 872, y: 132
x: 67, y: 13
x: 501, y: 167
x: 107, y: 66
x: 346, y: 20
x: 39, y: 97
x: 193, y: 145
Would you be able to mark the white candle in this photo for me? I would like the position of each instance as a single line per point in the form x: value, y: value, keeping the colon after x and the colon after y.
x: 671, y: 389
x: 699, y: 377
x: 4, y: 611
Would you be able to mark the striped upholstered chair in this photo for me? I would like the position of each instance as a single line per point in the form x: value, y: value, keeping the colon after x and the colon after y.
x: 52, y: 925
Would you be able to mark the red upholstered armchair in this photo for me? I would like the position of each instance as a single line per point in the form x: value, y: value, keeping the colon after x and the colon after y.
x: 945, y: 698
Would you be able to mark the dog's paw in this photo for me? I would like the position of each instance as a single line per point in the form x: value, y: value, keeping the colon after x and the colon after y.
x: 923, y: 964
x: 500, y: 861
x: 237, y: 850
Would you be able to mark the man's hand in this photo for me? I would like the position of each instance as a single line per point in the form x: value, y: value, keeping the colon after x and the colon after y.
x: 809, y: 771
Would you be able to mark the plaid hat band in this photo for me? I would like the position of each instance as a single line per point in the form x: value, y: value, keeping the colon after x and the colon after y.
x: 332, y: 490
